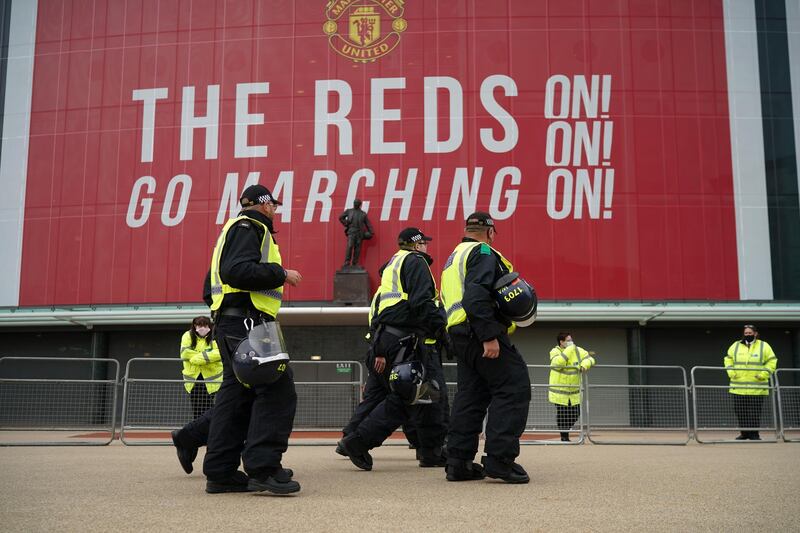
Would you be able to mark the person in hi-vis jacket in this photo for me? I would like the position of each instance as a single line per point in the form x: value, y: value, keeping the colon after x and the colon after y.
x: 567, y: 362
x: 750, y: 363
x: 201, y: 362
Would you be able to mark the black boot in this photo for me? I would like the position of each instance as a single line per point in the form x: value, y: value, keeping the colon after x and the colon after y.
x: 565, y: 436
x: 340, y: 450
x: 357, y: 451
x: 186, y: 455
x: 461, y: 470
x: 238, y: 482
x: 431, y: 457
x: 504, y: 469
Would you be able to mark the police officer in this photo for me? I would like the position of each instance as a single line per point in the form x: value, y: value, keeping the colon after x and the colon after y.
x: 491, y: 372
x: 567, y: 362
x: 406, y: 319
x: 249, y: 423
x: 750, y: 363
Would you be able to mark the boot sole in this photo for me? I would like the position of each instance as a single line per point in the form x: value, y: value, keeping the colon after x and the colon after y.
x: 519, y: 481
x: 260, y: 489
x: 226, y: 488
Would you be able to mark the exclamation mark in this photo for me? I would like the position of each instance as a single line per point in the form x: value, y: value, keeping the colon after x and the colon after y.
x: 608, y: 192
x: 608, y: 136
x: 606, y: 95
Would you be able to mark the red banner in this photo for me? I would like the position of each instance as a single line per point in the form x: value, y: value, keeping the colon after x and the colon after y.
x: 596, y: 134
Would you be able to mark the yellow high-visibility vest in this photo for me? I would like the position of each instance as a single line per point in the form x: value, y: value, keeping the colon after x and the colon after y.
x: 267, y: 301
x: 565, y: 374
x: 391, y: 291
x: 453, y: 276
x: 211, y: 369
x: 750, y: 367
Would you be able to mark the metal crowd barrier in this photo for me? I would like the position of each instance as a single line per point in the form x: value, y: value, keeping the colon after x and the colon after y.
x: 651, y: 413
x: 788, y: 397
x: 35, y: 398
x: 153, y: 404
x: 720, y: 412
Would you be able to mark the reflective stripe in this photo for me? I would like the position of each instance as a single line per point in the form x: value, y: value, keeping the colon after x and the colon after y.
x: 189, y: 376
x: 272, y: 293
x: 759, y: 384
x: 394, y: 295
x: 453, y: 308
x: 205, y: 356
x: 565, y: 391
x: 212, y: 378
x: 184, y: 348
x: 449, y: 261
x: 566, y: 370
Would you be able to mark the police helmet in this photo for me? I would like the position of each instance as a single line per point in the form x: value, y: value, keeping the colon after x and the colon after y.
x: 261, y: 358
x: 516, y: 299
x: 407, y: 380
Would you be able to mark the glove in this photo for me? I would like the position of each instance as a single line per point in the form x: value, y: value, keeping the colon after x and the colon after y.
x: 367, y: 236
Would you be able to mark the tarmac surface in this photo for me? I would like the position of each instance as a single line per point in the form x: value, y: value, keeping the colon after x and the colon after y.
x: 736, y: 487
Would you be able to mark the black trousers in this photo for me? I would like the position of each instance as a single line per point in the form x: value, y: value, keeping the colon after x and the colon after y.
x: 200, y: 399
x: 500, y: 386
x: 251, y: 425
x: 353, y: 249
x: 748, y: 412
x: 409, y: 429
x: 566, y: 416
x: 391, y: 412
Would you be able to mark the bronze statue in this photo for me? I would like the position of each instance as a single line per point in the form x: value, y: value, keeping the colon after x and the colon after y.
x: 357, y: 228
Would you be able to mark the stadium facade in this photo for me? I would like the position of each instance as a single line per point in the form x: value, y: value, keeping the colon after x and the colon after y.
x: 640, y: 159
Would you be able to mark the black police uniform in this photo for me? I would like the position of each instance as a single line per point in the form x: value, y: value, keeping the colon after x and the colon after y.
x: 501, y: 385
x: 252, y: 424
x: 420, y: 316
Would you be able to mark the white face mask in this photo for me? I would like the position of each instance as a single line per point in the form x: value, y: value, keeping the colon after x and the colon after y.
x: 202, y: 331
x: 567, y: 344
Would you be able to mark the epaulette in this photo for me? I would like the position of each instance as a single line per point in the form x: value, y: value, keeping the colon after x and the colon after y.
x: 245, y: 224
x: 485, y: 249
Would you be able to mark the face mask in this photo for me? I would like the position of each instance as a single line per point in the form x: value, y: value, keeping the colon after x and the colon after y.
x: 749, y: 338
x: 202, y: 331
x: 567, y: 344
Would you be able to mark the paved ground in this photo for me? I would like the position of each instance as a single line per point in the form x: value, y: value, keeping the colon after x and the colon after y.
x: 587, y: 488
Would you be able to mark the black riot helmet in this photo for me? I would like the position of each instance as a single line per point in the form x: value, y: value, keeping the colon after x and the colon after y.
x: 407, y: 380
x: 516, y: 299
x: 261, y: 358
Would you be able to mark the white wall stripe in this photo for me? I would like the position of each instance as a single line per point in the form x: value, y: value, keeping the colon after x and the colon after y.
x: 16, y: 126
x: 747, y: 151
x: 793, y: 35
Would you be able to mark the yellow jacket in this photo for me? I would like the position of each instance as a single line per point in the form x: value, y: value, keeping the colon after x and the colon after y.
x: 750, y: 367
x: 565, y: 374
x: 201, y: 359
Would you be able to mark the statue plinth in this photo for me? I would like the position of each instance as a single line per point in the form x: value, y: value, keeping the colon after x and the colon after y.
x: 351, y: 286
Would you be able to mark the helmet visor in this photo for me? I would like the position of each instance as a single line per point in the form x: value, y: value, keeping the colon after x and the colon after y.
x: 266, y: 339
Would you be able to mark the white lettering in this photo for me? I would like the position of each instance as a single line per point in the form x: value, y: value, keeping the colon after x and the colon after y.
x: 503, y: 117
x: 379, y: 114
x: 352, y: 190
x: 245, y: 119
x: 149, y: 97
x: 191, y: 122
x: 315, y: 195
x: 431, y: 112
x: 323, y: 118
x: 404, y: 195
x: 146, y: 204
x: 510, y: 196
x: 468, y: 192
x: 186, y: 188
x: 229, y: 204
x: 554, y: 82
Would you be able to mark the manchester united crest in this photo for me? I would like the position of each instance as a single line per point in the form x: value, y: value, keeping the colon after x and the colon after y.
x: 364, y: 30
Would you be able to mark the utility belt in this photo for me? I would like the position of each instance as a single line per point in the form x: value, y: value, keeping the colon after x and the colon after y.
x: 242, y: 312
